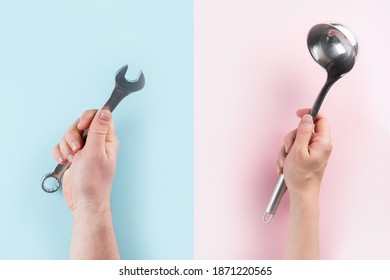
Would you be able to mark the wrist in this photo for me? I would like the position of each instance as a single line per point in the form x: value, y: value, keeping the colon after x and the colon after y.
x: 92, y: 212
x: 306, y: 199
x: 93, y: 235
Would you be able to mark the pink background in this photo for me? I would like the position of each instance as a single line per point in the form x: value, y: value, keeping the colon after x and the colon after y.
x: 252, y: 71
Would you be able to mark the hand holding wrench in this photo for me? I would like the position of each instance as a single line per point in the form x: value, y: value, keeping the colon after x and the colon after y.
x: 52, y: 181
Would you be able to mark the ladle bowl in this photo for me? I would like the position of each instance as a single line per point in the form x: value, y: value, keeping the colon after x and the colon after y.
x: 335, y: 48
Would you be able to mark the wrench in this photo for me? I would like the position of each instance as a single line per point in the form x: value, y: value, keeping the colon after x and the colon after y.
x: 52, y: 181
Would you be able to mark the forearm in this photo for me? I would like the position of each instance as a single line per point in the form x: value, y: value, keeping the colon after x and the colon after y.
x: 303, y: 237
x: 93, y: 236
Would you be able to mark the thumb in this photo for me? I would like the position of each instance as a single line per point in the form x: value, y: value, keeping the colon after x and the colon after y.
x: 98, y: 130
x: 304, y: 132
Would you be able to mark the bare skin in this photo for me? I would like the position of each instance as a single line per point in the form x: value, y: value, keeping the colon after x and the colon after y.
x: 88, y: 182
x: 303, y: 159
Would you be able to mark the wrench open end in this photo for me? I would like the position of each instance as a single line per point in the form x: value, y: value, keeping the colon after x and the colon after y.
x: 129, y: 85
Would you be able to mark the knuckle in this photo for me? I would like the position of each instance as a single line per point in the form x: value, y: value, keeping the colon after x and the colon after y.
x: 62, y: 143
x: 98, y: 131
x: 55, y: 151
x: 301, y: 157
x: 68, y: 135
x: 86, y: 113
x: 304, y: 129
x: 329, y: 148
x: 287, y: 139
x: 90, y: 113
x: 280, y: 153
x: 326, y: 146
x: 64, y: 147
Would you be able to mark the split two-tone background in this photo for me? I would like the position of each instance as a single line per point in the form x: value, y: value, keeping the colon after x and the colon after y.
x: 199, y: 142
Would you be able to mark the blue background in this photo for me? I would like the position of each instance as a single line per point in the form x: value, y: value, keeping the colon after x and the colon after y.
x: 57, y: 59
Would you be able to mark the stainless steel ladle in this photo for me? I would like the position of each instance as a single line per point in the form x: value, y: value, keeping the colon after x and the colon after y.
x: 335, y: 48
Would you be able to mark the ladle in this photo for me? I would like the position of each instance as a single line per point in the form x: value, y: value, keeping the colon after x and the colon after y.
x: 334, y: 47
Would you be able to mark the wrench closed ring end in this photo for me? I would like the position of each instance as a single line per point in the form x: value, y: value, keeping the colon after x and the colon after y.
x: 50, y: 183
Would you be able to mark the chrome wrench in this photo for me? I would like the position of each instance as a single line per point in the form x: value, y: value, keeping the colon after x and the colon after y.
x: 52, y: 181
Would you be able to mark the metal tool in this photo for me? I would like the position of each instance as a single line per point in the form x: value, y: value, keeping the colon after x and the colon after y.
x: 335, y: 48
x: 52, y: 181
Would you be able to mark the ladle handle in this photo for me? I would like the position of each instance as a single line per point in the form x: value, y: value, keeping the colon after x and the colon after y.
x: 276, y: 196
x: 280, y: 187
x: 321, y: 96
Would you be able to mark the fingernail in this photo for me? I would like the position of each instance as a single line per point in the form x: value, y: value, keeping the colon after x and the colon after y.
x: 70, y: 157
x: 60, y: 159
x: 73, y: 146
x: 278, y: 169
x: 105, y: 117
x: 307, y: 119
x: 281, y: 162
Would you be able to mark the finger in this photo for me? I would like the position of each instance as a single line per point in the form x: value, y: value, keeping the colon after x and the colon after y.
x: 278, y: 168
x: 304, y: 132
x: 98, y: 131
x: 322, y: 126
x: 86, y: 119
x: 322, y: 135
x: 281, y: 157
x: 111, y: 133
x: 73, y: 137
x: 57, y: 155
x: 112, y: 142
x: 301, y: 112
x: 66, y: 150
x: 289, y: 140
